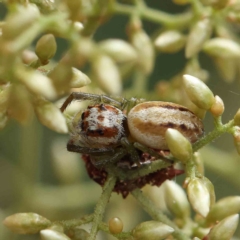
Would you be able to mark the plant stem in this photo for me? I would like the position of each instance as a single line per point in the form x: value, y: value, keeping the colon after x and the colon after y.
x: 101, y: 205
x: 219, y: 130
x: 156, y: 214
x: 157, y: 16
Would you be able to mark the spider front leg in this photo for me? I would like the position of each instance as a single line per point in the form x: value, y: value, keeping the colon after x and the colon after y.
x: 92, y: 97
x: 71, y: 147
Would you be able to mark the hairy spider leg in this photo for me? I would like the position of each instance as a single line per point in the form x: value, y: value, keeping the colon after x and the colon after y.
x: 92, y: 97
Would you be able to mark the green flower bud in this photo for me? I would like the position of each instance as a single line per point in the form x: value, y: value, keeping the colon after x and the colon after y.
x: 119, y: 50
x: 107, y: 75
x: 221, y: 47
x: 115, y: 225
x: 170, y: 41
x: 237, y: 118
x: 143, y: 45
x: 46, y: 48
x: 225, y: 229
x: 227, y: 68
x: 151, y: 230
x: 217, y: 108
x: 79, y: 79
x: 78, y: 234
x: 50, y: 116
x: 176, y: 199
x: 179, y: 146
x: 49, y: 234
x: 19, y: 104
x: 223, y: 208
x: 37, y: 83
x: 198, y: 196
x: 26, y: 223
x: 61, y: 77
x: 19, y: 20
x: 198, y: 92
x: 211, y: 190
x: 198, y: 35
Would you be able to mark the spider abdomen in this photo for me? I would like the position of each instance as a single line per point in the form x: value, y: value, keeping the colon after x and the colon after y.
x: 148, y: 122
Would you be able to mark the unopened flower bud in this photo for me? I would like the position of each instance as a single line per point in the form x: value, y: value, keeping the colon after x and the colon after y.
x: 28, y: 56
x: 198, y: 92
x: 46, y: 48
x: 198, y: 196
x: 37, y: 83
x: 61, y: 77
x: 225, y: 229
x: 211, y: 190
x: 221, y: 47
x: 26, y: 223
x: 19, y: 104
x: 176, y: 199
x: 79, y: 79
x: 49, y: 234
x: 20, y: 20
x: 170, y: 41
x: 179, y: 146
x: 50, y: 116
x: 217, y: 108
x: 223, y: 208
x: 237, y: 118
x: 78, y: 234
x: 119, y: 50
x: 152, y: 230
x: 236, y: 138
x: 107, y: 75
x: 198, y: 35
x: 143, y: 45
x: 115, y: 225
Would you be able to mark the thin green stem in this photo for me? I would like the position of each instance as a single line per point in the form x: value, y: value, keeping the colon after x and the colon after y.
x: 101, y: 205
x: 218, y: 131
x: 69, y: 224
x: 156, y: 214
x: 170, y: 20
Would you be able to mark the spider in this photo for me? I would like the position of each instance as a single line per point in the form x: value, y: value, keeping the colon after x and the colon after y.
x: 106, y: 134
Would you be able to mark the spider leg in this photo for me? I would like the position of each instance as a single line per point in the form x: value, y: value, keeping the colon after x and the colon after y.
x: 92, y: 97
x: 131, y: 150
x: 151, y: 152
x: 71, y: 147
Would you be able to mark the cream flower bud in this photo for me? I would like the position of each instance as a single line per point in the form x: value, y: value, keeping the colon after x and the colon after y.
x: 50, y: 116
x: 198, y: 92
x: 46, y: 48
x: 119, y: 50
x: 144, y: 47
x: 211, y: 190
x: 223, y: 208
x: 221, y: 47
x: 176, y: 199
x: 179, y: 146
x: 170, y: 41
x: 225, y: 229
x: 26, y: 223
x: 20, y: 20
x: 115, y: 225
x: 107, y: 75
x: 49, y: 234
x: 198, y: 35
x: 79, y: 79
x: 37, y: 83
x: 198, y: 196
x: 237, y: 118
x: 152, y: 230
x: 217, y: 108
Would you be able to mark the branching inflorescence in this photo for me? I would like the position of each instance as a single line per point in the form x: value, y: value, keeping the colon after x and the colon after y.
x: 125, y: 143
